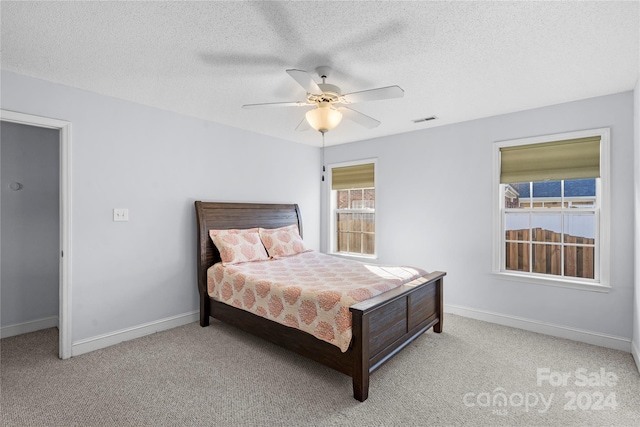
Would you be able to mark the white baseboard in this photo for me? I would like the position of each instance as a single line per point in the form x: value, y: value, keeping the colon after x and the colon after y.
x: 636, y: 354
x: 113, y: 338
x: 26, y: 327
x: 589, y: 337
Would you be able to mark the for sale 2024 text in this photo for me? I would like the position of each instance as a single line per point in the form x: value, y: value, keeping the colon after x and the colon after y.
x: 583, y: 400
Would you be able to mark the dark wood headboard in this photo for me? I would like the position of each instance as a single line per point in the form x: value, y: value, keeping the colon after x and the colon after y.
x: 224, y: 216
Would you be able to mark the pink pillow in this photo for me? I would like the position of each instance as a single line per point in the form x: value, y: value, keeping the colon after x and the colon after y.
x: 236, y: 246
x: 283, y: 241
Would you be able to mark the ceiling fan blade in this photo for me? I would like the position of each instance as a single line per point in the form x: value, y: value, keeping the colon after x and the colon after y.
x: 278, y: 104
x: 305, y: 80
x: 303, y: 125
x: 373, y: 94
x: 358, y: 117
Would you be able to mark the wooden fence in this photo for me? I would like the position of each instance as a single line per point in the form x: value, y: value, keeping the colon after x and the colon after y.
x: 546, y: 257
x: 356, y: 233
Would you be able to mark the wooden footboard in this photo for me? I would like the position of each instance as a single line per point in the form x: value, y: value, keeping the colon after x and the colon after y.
x: 384, y: 325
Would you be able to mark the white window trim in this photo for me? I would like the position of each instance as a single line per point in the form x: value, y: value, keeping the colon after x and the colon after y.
x: 604, y: 195
x: 332, y: 207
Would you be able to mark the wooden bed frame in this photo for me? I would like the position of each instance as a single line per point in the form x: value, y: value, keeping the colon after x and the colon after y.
x: 382, y: 326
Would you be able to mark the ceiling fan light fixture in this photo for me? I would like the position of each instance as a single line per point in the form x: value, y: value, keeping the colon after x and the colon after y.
x: 324, y: 118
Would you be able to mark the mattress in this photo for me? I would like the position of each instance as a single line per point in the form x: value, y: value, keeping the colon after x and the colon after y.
x: 309, y: 291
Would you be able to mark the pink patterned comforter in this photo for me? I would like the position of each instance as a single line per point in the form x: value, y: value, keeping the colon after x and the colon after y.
x: 310, y: 291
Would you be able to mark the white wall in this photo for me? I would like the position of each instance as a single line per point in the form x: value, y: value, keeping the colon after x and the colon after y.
x: 636, y: 299
x: 156, y: 164
x: 30, y: 224
x: 434, y: 210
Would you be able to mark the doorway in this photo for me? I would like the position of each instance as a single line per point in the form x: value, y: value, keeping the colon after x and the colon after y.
x: 63, y: 129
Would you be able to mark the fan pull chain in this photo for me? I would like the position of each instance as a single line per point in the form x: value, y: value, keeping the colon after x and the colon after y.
x: 322, y: 156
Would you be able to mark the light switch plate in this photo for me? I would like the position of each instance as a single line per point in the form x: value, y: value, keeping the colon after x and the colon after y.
x: 121, y: 214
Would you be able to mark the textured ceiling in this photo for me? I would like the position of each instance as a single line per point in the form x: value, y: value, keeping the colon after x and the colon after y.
x: 455, y: 60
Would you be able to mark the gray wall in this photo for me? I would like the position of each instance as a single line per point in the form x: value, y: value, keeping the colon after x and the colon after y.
x: 29, y: 223
x: 434, y: 194
x: 156, y: 164
x: 636, y: 305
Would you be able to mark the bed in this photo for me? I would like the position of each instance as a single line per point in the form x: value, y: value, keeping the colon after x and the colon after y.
x: 381, y: 326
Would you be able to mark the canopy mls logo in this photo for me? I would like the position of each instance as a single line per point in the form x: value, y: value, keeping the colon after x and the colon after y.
x: 590, y: 398
x: 499, y: 401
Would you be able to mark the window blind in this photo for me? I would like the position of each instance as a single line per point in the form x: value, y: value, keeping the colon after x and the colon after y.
x: 356, y: 176
x: 568, y: 159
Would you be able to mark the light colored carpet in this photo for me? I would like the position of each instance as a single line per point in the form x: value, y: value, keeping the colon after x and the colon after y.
x: 220, y: 376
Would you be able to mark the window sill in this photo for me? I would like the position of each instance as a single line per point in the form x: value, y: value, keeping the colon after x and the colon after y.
x: 561, y: 283
x: 355, y: 256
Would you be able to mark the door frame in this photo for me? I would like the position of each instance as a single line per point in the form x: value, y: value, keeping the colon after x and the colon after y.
x: 64, y: 128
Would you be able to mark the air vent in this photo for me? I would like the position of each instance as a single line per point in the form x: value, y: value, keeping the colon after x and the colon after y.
x: 424, y: 119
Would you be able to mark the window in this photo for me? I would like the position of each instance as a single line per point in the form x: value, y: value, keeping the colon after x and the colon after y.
x: 353, y: 201
x: 551, y: 219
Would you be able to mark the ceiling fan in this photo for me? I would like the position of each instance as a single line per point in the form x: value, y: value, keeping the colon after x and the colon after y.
x: 330, y: 102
